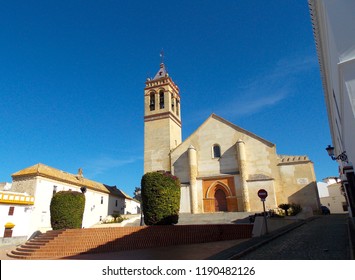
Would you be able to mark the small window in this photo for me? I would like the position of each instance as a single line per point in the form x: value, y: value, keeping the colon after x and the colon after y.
x: 116, y: 203
x: 216, y: 151
x: 102, y: 200
x: 152, y: 102
x: 177, y: 107
x: 161, y: 100
x: 11, y: 210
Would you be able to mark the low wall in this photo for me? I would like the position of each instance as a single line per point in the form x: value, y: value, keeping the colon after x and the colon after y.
x: 17, y: 240
x: 128, y: 238
x: 71, y: 242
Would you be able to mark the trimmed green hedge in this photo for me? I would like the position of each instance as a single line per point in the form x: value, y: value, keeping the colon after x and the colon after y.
x: 161, y: 198
x: 67, y: 210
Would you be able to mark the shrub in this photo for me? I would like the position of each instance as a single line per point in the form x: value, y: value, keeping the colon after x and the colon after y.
x: 285, y: 207
x: 295, y: 209
x: 161, y: 198
x: 279, y: 212
x: 67, y: 210
x: 113, y: 218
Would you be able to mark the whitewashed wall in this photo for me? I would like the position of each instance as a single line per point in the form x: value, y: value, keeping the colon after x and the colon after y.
x: 132, y: 206
x: 20, y: 219
x: 116, y: 205
x: 185, y: 203
x: 334, y: 35
x: 94, y: 211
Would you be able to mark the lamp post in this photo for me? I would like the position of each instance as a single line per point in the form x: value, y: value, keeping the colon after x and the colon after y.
x: 138, y: 193
x: 142, y: 223
x: 342, y: 156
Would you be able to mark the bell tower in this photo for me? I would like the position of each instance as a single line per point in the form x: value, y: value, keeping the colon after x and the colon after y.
x: 162, y: 121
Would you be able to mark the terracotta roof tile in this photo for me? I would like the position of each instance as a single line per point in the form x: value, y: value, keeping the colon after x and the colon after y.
x: 59, y: 175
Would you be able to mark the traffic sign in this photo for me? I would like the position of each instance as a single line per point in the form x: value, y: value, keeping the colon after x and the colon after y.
x: 262, y: 194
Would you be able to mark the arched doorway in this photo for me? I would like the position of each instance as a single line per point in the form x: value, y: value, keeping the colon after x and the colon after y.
x: 220, y: 201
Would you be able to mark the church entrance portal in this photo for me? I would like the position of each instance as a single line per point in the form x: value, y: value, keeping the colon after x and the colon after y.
x: 220, y: 202
x: 219, y: 195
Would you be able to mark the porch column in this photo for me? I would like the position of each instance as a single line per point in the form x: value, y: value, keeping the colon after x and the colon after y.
x: 192, y: 154
x: 243, y: 174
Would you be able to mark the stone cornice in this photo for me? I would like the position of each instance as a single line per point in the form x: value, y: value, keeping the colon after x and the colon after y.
x: 164, y: 115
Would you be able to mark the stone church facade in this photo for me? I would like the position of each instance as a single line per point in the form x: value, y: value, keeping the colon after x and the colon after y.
x: 221, y: 166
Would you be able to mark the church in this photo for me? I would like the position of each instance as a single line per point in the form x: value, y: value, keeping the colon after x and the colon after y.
x: 220, y: 166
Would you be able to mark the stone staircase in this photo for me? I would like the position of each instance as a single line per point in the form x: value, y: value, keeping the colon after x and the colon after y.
x: 69, y: 243
x: 205, y: 218
x: 214, y: 218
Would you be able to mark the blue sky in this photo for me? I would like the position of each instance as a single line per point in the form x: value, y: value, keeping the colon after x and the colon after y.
x: 72, y: 76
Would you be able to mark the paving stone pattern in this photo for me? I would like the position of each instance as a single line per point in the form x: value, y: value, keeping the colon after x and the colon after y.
x: 324, y: 238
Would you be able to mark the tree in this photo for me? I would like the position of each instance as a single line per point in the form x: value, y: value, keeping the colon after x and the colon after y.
x: 137, y: 194
x: 161, y: 198
x: 67, y: 210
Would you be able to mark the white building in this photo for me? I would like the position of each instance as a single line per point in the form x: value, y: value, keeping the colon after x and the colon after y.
x: 334, y: 198
x: 334, y: 29
x: 42, y: 182
x: 15, y: 211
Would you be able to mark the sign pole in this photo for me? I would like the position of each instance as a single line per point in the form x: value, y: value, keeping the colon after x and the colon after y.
x: 265, y: 220
x: 263, y: 195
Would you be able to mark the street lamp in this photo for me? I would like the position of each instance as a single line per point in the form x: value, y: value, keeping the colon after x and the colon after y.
x: 138, y: 193
x: 342, y: 156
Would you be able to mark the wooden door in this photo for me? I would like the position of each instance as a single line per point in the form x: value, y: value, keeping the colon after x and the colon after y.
x: 220, y: 201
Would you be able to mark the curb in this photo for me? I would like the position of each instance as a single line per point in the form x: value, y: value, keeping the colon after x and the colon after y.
x: 351, y: 234
x: 242, y: 249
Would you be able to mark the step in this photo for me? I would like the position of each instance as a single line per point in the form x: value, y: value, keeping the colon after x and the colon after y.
x: 36, y: 243
x: 19, y: 253
x: 81, y: 241
x: 29, y: 246
x: 212, y: 218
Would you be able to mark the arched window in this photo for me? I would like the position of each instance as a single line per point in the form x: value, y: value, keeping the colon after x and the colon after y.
x: 161, y: 99
x: 152, y: 101
x: 216, y: 150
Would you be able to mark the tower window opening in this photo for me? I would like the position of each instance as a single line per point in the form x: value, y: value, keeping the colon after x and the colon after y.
x: 216, y: 151
x: 177, y: 107
x: 172, y: 103
x: 152, y: 102
x: 161, y: 100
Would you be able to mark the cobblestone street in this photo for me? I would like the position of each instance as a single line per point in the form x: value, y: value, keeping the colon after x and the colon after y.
x: 324, y: 238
